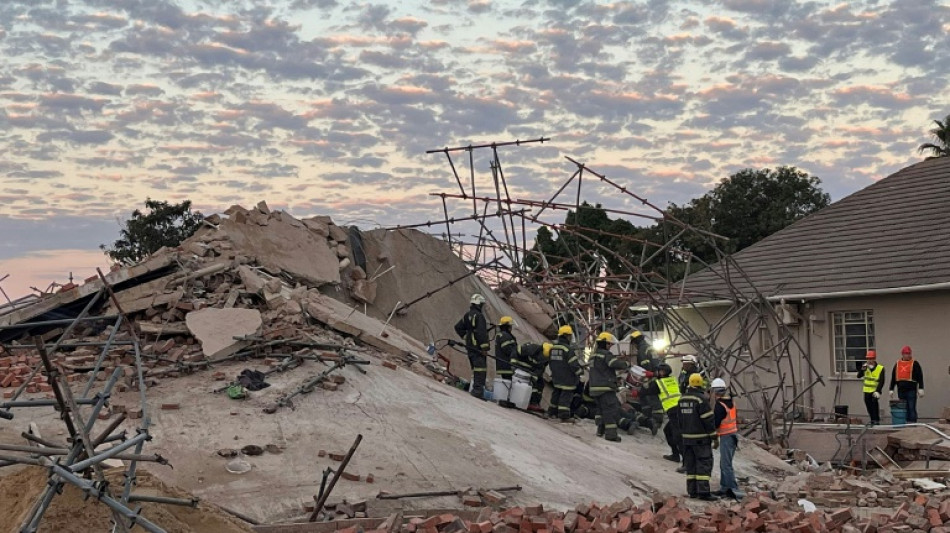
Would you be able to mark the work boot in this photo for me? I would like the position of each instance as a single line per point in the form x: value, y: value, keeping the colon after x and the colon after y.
x: 707, y: 497
x: 681, y: 470
x: 613, y: 438
x: 600, y: 431
x: 654, y: 429
x: 535, y: 408
x: 672, y: 457
x: 567, y: 420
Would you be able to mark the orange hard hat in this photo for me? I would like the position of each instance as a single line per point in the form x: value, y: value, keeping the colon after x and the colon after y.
x: 872, y: 354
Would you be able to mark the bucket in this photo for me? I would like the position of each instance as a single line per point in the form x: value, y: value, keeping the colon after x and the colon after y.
x: 520, y: 394
x: 500, y: 390
x: 898, y: 412
x: 841, y: 412
x: 521, y: 377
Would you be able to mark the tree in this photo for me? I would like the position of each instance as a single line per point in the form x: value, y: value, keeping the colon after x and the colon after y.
x: 749, y: 206
x: 163, y: 225
x: 941, y: 135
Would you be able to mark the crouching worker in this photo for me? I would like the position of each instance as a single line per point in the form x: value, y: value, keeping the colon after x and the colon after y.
x: 603, y: 386
x: 698, y: 432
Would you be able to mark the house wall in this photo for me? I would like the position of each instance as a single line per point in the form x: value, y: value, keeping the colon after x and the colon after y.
x: 919, y: 320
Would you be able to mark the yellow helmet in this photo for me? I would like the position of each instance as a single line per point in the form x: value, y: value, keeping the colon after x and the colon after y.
x: 505, y: 320
x: 546, y: 349
x: 607, y: 336
x: 565, y: 330
x: 695, y: 380
x: 636, y: 333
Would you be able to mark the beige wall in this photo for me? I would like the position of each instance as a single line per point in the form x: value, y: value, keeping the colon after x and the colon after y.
x: 921, y: 320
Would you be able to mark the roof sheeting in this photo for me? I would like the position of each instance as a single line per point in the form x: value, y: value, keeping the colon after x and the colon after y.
x: 892, y: 234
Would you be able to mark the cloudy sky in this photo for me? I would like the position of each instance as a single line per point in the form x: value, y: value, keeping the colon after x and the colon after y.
x: 328, y: 106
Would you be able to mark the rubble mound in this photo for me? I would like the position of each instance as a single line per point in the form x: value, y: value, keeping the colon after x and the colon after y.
x: 70, y: 512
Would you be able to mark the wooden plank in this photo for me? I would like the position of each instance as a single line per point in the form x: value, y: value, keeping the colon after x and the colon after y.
x: 170, y: 328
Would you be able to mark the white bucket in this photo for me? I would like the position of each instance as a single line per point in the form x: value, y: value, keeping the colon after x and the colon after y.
x: 520, y: 394
x: 501, y: 388
x: 521, y: 377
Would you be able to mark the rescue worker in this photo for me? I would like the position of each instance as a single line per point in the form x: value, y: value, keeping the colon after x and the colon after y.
x: 565, y: 374
x: 533, y: 359
x: 603, y: 386
x: 874, y: 378
x: 474, y: 329
x: 908, y: 377
x: 667, y: 390
x: 651, y: 411
x: 690, y: 367
x: 505, y: 347
x: 645, y: 354
x: 727, y: 429
x: 584, y: 405
x: 697, y: 426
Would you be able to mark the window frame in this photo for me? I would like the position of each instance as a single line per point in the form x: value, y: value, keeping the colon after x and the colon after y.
x: 869, y: 339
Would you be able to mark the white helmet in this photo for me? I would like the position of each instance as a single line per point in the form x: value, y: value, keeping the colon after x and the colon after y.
x: 689, y: 359
x: 478, y: 299
x: 718, y: 383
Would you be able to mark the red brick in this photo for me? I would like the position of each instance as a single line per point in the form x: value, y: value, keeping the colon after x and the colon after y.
x: 8, y: 394
x: 170, y: 406
x: 338, y: 379
x: 933, y: 516
x: 219, y: 376
x: 370, y: 478
x: 390, y: 365
x: 350, y: 477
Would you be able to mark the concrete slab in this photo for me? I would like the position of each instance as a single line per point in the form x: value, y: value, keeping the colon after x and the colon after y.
x: 215, y: 329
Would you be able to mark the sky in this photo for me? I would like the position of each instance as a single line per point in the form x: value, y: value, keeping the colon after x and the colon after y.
x: 329, y: 106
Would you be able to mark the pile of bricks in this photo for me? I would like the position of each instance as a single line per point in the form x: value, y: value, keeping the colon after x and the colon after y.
x: 668, y: 515
x: 830, y: 490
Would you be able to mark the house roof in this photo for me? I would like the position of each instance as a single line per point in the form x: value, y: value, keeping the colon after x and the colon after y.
x: 893, y: 234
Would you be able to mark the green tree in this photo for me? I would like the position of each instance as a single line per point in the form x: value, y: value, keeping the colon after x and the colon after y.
x: 747, y: 207
x: 163, y: 224
x: 941, y: 145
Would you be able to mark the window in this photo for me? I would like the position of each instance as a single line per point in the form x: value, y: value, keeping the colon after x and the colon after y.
x: 853, y: 337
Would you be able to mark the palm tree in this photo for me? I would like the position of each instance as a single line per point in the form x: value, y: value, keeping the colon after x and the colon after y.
x: 941, y: 134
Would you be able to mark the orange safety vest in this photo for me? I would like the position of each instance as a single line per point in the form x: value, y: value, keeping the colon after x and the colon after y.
x: 905, y: 370
x: 729, y: 425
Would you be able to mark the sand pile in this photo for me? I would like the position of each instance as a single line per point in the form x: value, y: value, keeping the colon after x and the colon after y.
x: 69, y: 512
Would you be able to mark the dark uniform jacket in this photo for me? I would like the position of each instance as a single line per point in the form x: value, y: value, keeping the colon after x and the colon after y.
x: 505, y: 349
x: 683, y: 379
x: 720, y: 410
x: 603, y: 371
x: 646, y: 355
x: 474, y: 329
x: 530, y: 358
x: 696, y: 421
x: 650, y: 395
x: 916, y: 379
x: 565, y: 368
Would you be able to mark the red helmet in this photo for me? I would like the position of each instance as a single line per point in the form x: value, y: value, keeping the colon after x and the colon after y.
x: 872, y: 354
x: 905, y: 350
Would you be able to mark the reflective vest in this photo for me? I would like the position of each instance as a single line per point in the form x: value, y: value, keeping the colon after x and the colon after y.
x: 729, y: 425
x: 872, y: 378
x: 669, y: 392
x: 905, y: 370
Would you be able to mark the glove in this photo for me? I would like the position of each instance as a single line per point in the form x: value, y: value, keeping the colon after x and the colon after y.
x: 716, y: 443
x: 920, y: 393
x: 890, y: 394
x: 648, y: 374
x: 876, y: 395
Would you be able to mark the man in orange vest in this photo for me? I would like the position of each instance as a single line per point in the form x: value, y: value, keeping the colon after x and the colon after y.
x: 874, y: 378
x: 727, y: 430
x: 908, y: 377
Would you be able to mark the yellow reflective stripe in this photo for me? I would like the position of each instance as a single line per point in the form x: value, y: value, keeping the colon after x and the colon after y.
x: 610, y: 426
x: 601, y: 389
x: 707, y: 414
x: 690, y: 476
x: 702, y: 478
x: 696, y: 435
x: 563, y: 387
x: 572, y: 359
x: 480, y: 369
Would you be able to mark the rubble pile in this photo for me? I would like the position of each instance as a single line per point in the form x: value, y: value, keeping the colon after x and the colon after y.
x: 256, y: 277
x: 669, y: 515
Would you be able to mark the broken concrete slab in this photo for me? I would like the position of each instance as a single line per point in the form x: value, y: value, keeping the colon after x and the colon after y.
x: 252, y: 280
x: 216, y: 329
x: 285, y: 247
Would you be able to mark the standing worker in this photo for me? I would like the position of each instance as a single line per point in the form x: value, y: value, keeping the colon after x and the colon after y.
x: 474, y: 329
x: 603, y: 386
x: 874, y: 378
x: 727, y: 429
x: 690, y: 367
x: 505, y: 348
x: 909, y: 379
x: 698, y: 429
x: 565, y: 373
x: 645, y: 354
x: 667, y: 391
x: 533, y: 359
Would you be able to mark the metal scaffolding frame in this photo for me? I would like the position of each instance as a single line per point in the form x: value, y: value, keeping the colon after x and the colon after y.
x: 494, y: 239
